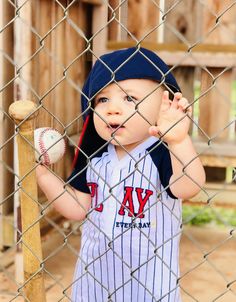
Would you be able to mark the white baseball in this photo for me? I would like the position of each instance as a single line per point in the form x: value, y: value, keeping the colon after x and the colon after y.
x: 49, y: 145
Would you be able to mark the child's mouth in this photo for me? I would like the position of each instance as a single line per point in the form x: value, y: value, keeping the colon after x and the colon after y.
x: 115, y: 126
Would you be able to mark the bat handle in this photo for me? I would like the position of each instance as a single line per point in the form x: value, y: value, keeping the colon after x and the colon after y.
x: 23, y: 113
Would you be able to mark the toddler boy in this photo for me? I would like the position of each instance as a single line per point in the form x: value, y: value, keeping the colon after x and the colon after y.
x: 135, y: 163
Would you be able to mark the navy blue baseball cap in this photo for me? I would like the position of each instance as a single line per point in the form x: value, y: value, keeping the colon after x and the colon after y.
x: 129, y: 63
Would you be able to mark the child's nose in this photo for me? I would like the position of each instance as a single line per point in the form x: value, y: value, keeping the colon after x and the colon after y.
x: 114, y: 107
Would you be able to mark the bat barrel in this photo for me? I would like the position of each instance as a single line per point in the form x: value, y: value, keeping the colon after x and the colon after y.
x: 23, y: 113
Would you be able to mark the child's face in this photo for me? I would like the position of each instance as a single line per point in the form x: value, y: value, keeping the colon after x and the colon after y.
x: 133, y: 107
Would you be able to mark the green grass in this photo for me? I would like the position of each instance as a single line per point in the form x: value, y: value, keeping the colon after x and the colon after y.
x: 205, y: 215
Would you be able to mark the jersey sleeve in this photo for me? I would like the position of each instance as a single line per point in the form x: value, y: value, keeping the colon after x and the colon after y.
x: 78, y: 180
x: 161, y: 158
x: 165, y: 170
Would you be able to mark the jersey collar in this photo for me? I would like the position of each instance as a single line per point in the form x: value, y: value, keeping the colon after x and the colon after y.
x: 132, y: 154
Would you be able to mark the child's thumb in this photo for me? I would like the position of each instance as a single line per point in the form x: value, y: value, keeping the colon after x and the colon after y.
x: 154, y: 131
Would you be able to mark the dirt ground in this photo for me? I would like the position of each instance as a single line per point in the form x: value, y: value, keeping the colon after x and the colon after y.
x: 207, y: 260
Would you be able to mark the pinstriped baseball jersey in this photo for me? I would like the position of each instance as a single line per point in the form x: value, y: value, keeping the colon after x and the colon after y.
x: 130, y: 239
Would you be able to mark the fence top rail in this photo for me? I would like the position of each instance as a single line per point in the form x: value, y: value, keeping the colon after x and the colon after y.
x: 175, y: 47
x: 209, y: 55
x: 216, y: 148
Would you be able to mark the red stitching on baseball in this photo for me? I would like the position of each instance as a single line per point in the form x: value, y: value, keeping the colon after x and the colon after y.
x: 61, y: 139
x: 43, y: 150
x: 42, y: 147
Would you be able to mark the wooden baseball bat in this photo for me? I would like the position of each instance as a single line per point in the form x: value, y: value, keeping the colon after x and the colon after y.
x: 23, y: 113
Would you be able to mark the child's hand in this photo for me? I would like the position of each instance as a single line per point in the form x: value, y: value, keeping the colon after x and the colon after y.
x: 41, y: 171
x: 174, y: 114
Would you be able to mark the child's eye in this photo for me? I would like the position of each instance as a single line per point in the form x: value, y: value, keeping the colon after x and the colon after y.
x: 102, y: 100
x: 130, y: 98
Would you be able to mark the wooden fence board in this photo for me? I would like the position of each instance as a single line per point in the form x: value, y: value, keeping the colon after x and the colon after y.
x: 42, y: 63
x: 215, y: 105
x: 221, y: 16
x: 217, y: 154
x: 99, y: 30
x: 143, y: 17
x: 176, y: 54
x: 58, y: 65
x: 219, y: 194
x: 6, y: 125
x: 113, y: 27
x: 182, y: 19
x: 76, y: 73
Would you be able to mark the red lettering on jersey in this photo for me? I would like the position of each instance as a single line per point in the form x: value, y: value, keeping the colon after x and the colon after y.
x: 127, y: 203
x: 142, y: 201
x: 94, y: 194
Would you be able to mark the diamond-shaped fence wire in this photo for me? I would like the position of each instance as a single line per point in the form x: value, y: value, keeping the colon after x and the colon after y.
x: 47, y: 49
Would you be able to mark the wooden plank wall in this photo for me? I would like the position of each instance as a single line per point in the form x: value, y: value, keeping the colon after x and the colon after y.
x: 6, y: 125
x: 140, y: 17
x: 217, y: 101
x: 143, y: 18
x: 46, y: 47
x: 59, y: 68
x: 180, y: 27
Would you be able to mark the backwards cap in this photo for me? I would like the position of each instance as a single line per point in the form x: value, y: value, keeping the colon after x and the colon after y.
x: 130, y: 63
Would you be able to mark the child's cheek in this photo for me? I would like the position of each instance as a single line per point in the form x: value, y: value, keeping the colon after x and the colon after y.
x: 149, y: 113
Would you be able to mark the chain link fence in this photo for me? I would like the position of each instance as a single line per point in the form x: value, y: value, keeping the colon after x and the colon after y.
x: 46, y: 51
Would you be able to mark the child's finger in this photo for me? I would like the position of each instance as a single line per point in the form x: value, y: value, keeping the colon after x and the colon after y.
x: 165, y: 104
x: 184, y: 106
x: 177, y: 97
x: 183, y: 103
x: 189, y: 110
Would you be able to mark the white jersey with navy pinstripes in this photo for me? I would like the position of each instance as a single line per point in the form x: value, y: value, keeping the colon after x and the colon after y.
x: 130, y: 239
